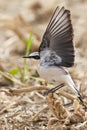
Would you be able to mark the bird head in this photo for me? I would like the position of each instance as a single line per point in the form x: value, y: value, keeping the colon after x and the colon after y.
x: 33, y: 55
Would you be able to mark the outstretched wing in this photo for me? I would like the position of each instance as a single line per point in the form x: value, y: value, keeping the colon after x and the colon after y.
x: 58, y: 37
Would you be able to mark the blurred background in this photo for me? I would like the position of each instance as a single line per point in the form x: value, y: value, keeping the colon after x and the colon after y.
x: 18, y: 18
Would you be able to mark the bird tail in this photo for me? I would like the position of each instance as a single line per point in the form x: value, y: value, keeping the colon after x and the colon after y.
x: 70, y: 82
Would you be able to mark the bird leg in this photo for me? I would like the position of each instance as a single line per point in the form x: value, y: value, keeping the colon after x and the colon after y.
x: 60, y: 86
x: 54, y: 89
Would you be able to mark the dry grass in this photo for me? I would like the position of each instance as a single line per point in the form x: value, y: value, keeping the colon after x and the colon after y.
x: 23, y: 105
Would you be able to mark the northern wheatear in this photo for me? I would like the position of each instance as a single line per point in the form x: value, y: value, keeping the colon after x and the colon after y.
x: 57, y: 51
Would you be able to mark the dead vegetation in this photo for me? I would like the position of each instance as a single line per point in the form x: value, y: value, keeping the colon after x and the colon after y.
x: 23, y: 105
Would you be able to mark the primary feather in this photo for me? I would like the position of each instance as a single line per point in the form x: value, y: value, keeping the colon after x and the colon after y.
x: 58, y: 37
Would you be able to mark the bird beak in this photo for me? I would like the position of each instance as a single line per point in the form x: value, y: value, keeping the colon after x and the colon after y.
x: 34, y: 55
x: 26, y: 56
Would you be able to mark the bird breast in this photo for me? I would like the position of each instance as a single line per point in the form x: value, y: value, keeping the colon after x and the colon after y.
x: 52, y: 74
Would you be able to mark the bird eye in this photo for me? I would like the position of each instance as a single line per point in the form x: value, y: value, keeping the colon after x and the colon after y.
x: 37, y: 57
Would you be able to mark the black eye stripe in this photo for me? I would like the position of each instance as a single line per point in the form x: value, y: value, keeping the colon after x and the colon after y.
x: 37, y: 57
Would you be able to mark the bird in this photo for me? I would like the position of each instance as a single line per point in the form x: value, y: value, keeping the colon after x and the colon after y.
x: 56, y: 52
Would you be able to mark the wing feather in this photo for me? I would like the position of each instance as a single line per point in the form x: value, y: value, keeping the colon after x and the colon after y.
x: 58, y: 24
x: 58, y: 37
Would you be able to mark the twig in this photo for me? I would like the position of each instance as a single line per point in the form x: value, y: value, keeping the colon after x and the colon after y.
x: 82, y: 126
x: 10, y: 105
x: 11, y: 78
x: 67, y: 95
x: 12, y: 92
x: 35, y: 117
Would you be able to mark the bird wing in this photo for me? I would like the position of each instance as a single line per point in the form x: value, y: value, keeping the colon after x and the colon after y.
x: 58, y: 37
